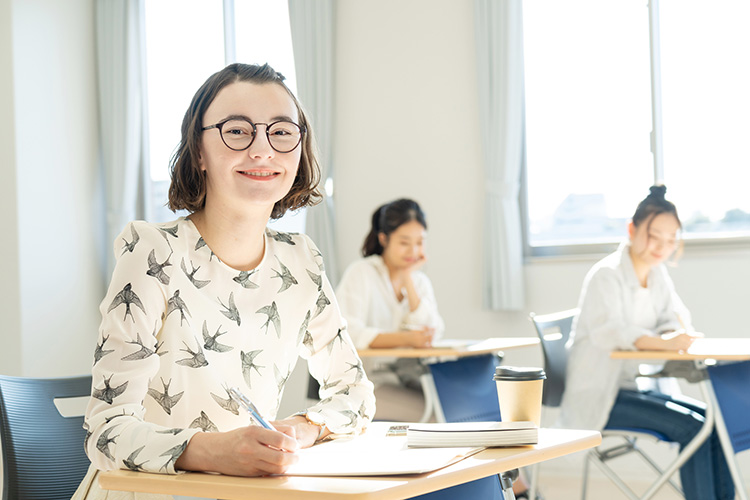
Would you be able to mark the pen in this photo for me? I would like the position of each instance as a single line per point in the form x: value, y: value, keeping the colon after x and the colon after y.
x: 244, y: 402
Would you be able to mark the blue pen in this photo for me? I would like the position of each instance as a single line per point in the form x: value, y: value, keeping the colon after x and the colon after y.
x: 244, y: 402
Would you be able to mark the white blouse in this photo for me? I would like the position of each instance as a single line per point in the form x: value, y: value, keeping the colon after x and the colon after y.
x: 179, y: 327
x: 369, y: 304
x: 613, y: 315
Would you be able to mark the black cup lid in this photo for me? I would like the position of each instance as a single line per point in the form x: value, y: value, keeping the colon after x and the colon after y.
x: 521, y: 373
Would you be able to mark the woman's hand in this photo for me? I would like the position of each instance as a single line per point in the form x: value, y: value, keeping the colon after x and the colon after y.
x: 679, y: 340
x: 247, y: 451
x: 419, y: 338
x: 305, y: 432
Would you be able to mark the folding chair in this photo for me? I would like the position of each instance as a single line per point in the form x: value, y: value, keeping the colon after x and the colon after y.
x: 554, y: 332
x: 43, y: 455
x: 729, y: 384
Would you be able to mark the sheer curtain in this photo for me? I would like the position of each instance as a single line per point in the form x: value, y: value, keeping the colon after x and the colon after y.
x: 312, y: 25
x: 123, y: 130
x: 499, y: 43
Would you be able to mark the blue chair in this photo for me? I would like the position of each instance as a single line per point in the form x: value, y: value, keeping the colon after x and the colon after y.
x: 467, y: 393
x: 466, y: 389
x: 43, y: 455
x: 729, y: 383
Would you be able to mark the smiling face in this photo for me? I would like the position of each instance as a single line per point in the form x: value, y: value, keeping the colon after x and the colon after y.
x: 258, y: 176
x: 654, y: 240
x: 404, y: 247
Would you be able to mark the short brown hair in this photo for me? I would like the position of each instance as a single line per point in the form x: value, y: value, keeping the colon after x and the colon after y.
x: 187, y: 190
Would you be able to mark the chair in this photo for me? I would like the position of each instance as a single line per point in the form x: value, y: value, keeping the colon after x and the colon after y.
x: 729, y: 384
x: 467, y: 393
x: 466, y: 389
x: 554, y: 332
x: 43, y: 455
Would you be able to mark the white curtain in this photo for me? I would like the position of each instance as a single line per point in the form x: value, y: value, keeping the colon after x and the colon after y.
x: 312, y: 25
x: 499, y: 41
x: 120, y: 50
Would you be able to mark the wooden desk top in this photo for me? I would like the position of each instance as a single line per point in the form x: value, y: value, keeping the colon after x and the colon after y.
x: 553, y: 443
x: 471, y: 348
x: 710, y: 348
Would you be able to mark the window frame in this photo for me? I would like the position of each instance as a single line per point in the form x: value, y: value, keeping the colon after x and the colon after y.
x: 704, y: 243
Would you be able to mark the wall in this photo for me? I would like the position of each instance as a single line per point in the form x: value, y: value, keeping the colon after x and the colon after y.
x: 55, y: 227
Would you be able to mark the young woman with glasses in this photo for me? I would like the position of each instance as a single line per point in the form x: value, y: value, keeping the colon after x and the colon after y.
x: 216, y: 300
x: 628, y: 301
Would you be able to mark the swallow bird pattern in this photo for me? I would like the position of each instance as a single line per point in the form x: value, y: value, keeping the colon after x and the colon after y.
x: 210, y: 342
x: 231, y: 310
x: 108, y: 394
x: 191, y: 275
x: 287, y: 280
x: 100, y: 351
x: 130, y: 245
x: 127, y: 296
x: 272, y: 312
x: 165, y: 355
x: 166, y: 401
x: 177, y: 304
x: 156, y: 269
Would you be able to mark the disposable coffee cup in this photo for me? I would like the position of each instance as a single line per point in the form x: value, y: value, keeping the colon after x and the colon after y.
x: 519, y: 391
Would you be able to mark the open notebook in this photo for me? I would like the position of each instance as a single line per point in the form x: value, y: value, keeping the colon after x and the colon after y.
x: 461, y: 434
x: 374, y: 454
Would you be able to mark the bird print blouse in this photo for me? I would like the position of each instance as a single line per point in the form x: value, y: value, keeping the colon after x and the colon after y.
x: 180, y: 327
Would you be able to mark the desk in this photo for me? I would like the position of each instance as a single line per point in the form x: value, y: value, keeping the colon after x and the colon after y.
x: 436, y: 354
x: 693, y: 363
x: 553, y: 443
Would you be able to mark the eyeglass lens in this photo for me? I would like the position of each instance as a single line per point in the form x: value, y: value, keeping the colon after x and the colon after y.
x: 239, y: 134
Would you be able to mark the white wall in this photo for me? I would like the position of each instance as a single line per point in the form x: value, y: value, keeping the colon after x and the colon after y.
x: 10, y: 305
x: 55, y: 227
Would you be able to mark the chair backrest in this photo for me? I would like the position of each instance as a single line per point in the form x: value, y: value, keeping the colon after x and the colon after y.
x: 43, y: 455
x: 729, y: 382
x: 554, y: 331
x: 466, y: 389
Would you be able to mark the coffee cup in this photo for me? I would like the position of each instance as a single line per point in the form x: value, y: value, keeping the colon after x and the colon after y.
x: 519, y: 392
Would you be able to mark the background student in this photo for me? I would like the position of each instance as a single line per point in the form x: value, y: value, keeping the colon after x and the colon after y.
x: 628, y: 301
x: 389, y: 302
x: 216, y: 300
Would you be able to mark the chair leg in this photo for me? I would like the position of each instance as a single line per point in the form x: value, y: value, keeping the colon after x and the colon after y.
x: 506, y: 483
x: 534, y: 484
x: 585, y: 476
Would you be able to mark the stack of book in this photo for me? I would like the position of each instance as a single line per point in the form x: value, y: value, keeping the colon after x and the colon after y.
x: 472, y: 434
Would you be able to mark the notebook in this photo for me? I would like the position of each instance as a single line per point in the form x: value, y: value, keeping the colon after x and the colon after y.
x: 462, y: 434
x: 375, y: 453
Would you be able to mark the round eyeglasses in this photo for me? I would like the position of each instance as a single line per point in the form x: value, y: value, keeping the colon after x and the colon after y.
x: 239, y: 133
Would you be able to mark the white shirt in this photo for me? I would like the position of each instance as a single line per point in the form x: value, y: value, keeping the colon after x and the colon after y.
x: 369, y: 304
x: 179, y: 327
x: 613, y: 315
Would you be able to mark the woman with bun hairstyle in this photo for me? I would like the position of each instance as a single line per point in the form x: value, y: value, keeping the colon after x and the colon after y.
x: 388, y: 301
x: 628, y: 301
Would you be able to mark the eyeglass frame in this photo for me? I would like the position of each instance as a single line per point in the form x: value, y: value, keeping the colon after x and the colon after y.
x: 302, y: 132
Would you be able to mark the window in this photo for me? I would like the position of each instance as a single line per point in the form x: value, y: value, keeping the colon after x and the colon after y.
x: 595, y: 112
x: 251, y: 31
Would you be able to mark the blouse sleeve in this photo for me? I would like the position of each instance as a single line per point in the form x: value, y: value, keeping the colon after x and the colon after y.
x: 427, y: 313
x: 126, y: 359
x: 348, y: 402
x: 602, y: 313
x: 672, y: 313
x: 353, y: 294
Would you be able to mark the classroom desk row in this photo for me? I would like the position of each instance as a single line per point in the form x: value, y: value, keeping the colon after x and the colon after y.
x: 553, y: 443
